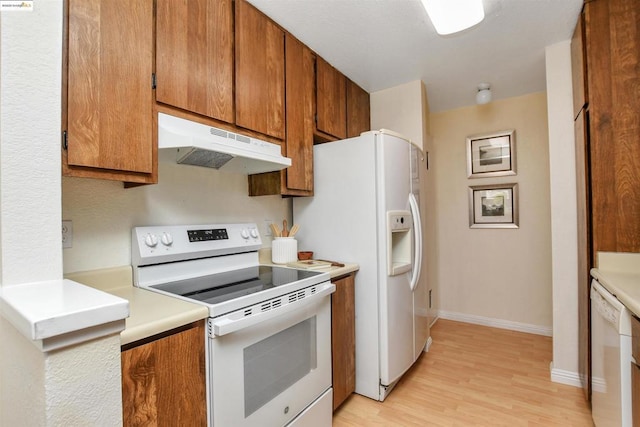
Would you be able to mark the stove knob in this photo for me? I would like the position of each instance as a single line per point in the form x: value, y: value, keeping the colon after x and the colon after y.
x: 254, y: 233
x: 244, y: 234
x: 166, y: 239
x: 150, y: 240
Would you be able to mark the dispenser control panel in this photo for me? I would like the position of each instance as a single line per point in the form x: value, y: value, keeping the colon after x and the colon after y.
x: 399, y: 221
x: 399, y: 242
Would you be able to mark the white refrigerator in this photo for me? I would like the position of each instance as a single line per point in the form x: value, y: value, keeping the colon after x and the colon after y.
x: 365, y: 210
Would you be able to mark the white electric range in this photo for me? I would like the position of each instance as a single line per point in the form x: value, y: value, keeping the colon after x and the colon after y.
x: 269, y: 328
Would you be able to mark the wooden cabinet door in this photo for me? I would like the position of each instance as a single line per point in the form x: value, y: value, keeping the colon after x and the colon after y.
x: 299, y: 146
x: 164, y: 381
x: 331, y: 103
x: 358, y: 110
x: 613, y: 55
x: 343, y: 339
x: 259, y: 72
x: 296, y: 180
x: 109, y: 94
x: 194, y: 56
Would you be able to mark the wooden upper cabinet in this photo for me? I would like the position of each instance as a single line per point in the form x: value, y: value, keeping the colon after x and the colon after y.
x: 194, y: 56
x: 299, y: 146
x: 612, y: 45
x: 259, y: 72
x: 331, y: 114
x: 296, y: 180
x: 358, y: 110
x: 107, y: 90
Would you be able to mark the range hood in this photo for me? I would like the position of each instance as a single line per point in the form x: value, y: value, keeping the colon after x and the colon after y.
x: 196, y: 144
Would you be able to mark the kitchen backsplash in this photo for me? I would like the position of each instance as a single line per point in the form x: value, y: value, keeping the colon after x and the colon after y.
x: 103, y: 212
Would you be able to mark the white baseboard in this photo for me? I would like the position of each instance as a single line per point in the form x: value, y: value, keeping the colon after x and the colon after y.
x: 496, y: 323
x: 427, y: 346
x: 565, y: 377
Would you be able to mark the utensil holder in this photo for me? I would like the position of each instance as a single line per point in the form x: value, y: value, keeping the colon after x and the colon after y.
x: 284, y: 250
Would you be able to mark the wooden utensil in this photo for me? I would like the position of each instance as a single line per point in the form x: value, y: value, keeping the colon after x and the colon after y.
x: 285, y: 232
x: 275, y: 230
x: 294, y: 230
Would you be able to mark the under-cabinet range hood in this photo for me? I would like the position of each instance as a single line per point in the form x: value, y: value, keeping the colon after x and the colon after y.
x: 201, y: 145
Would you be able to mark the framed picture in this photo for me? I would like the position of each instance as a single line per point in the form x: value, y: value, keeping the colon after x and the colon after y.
x: 493, y: 206
x: 492, y: 154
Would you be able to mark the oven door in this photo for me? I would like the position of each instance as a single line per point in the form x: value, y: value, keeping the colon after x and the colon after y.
x: 266, y: 369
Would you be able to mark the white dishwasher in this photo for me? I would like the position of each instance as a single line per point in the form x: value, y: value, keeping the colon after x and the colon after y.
x: 610, y: 359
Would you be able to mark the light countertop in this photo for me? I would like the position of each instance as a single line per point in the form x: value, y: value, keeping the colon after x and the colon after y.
x: 151, y: 313
x: 58, y: 313
x: 334, y: 272
x: 619, y: 273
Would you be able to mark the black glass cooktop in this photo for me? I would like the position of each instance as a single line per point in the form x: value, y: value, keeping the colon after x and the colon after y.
x: 221, y: 287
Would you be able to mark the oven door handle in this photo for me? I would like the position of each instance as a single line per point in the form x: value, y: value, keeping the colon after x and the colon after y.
x: 237, y: 321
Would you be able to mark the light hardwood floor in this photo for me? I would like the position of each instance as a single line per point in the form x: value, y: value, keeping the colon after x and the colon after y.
x: 474, y: 376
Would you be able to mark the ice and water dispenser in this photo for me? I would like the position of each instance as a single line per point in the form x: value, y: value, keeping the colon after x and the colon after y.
x: 399, y: 242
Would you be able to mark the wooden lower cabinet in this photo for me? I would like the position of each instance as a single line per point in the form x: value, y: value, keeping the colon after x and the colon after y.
x: 343, y: 339
x: 164, y: 380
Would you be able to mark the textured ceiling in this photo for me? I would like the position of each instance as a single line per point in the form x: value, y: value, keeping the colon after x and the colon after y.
x: 383, y: 43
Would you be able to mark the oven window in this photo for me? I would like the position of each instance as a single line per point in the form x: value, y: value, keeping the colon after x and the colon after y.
x: 276, y: 363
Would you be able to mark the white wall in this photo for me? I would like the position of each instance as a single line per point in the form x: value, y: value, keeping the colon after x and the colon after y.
x: 30, y: 109
x: 498, y: 277
x: 79, y: 385
x: 401, y: 109
x: 103, y: 212
x: 564, y: 213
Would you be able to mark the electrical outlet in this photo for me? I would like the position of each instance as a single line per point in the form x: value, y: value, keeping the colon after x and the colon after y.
x: 267, y: 227
x: 67, y: 234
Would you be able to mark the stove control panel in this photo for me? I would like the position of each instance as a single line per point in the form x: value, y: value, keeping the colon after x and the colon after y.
x: 159, y: 244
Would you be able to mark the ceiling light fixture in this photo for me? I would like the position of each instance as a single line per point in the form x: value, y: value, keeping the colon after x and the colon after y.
x: 451, y: 16
x: 484, y: 93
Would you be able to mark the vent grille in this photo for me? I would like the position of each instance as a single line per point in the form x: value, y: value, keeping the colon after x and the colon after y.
x: 243, y: 138
x: 205, y: 158
x: 218, y: 132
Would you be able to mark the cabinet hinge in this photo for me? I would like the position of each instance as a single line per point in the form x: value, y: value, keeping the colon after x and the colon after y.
x: 153, y: 80
x: 65, y: 141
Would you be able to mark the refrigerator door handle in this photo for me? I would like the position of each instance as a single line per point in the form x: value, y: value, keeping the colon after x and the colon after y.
x: 417, y: 230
